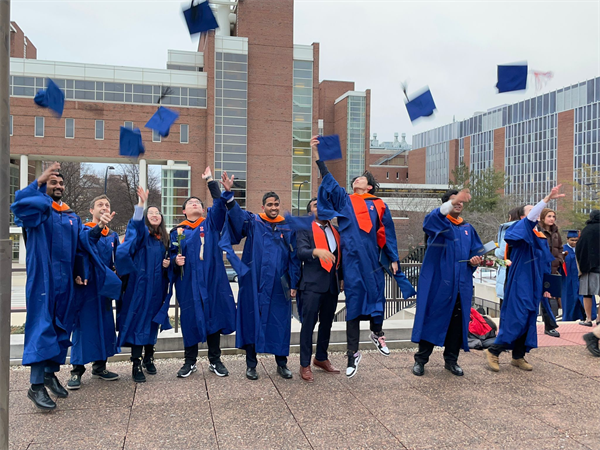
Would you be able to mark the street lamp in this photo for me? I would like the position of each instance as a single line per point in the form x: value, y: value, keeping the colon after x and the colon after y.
x: 300, y: 187
x: 106, y: 177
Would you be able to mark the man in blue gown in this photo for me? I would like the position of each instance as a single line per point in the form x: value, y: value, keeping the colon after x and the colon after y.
x: 366, y: 229
x: 51, y: 229
x: 572, y: 302
x: 94, y: 335
x: 268, y: 278
x: 523, y: 290
x: 445, y: 287
x: 201, y: 284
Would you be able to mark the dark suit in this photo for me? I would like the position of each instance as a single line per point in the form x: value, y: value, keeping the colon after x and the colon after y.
x: 317, y: 297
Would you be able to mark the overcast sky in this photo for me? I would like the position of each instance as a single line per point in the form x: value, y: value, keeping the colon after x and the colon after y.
x: 453, y: 47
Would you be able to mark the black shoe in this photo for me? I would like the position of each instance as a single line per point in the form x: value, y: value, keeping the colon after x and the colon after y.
x: 454, y: 369
x: 418, y: 369
x: 40, y: 398
x: 251, y: 373
x: 218, y: 369
x: 284, y: 372
x: 591, y: 343
x: 186, y: 370
x: 105, y: 375
x: 52, y: 383
x: 148, y: 364
x: 137, y: 373
x: 74, y: 382
x: 552, y: 333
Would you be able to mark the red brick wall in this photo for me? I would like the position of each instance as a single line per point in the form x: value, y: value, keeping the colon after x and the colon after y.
x: 380, y: 173
x: 467, y: 154
x: 417, y: 165
x: 499, y: 144
x: 452, y: 156
x: 564, y: 155
x: 17, y: 43
x: 340, y: 127
x: 269, y: 26
x: 329, y: 91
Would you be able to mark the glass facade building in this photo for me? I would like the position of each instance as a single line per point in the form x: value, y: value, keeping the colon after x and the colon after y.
x: 355, y: 150
x: 302, y: 119
x: 175, y: 189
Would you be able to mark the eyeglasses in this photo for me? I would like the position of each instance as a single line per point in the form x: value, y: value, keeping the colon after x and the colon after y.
x: 154, y: 214
x: 193, y: 203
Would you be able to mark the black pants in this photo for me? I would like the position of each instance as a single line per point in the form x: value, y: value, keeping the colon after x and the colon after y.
x: 213, y: 341
x: 353, y: 332
x: 452, y: 343
x: 97, y: 367
x: 252, y: 360
x: 518, y: 349
x: 549, y: 320
x: 136, y: 352
x: 316, y: 306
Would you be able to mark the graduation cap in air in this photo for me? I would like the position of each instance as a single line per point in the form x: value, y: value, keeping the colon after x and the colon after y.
x: 420, y: 106
x: 51, y: 97
x: 572, y: 234
x: 130, y: 142
x: 329, y: 148
x: 162, y: 120
x: 200, y: 18
x: 512, y: 78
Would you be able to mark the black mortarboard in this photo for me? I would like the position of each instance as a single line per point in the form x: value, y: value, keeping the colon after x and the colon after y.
x: 329, y: 147
x: 512, y: 78
x: 130, y: 142
x: 51, y: 97
x: 162, y: 120
x: 420, y: 106
x: 572, y: 234
x: 200, y: 18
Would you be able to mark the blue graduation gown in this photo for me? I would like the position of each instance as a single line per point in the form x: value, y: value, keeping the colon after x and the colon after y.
x: 203, y: 290
x: 572, y: 302
x: 144, y: 304
x: 523, y: 290
x: 442, y: 278
x: 52, y: 233
x: 364, y: 277
x: 94, y: 336
x: 264, y: 309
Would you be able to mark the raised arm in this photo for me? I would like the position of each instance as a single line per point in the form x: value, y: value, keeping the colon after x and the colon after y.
x: 436, y: 222
x: 218, y: 213
x: 332, y: 198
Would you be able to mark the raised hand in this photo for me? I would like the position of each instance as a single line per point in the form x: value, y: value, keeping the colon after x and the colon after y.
x: 53, y: 169
x: 463, y: 196
x: 106, y: 218
x: 207, y: 175
x: 314, y: 143
x: 554, y: 194
x: 227, y: 182
x: 142, y: 196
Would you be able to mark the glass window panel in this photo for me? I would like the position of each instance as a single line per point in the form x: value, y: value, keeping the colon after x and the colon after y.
x: 39, y: 127
x: 184, y: 133
x: 69, y: 128
x: 99, y: 129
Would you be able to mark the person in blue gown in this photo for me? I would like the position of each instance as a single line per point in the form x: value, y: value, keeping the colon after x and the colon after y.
x: 572, y: 302
x: 445, y: 290
x: 366, y: 230
x: 523, y: 290
x: 268, y: 276
x: 94, y: 335
x: 143, y: 257
x: 201, y: 285
x: 51, y: 231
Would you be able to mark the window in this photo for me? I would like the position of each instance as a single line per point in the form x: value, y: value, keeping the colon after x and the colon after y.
x: 397, y: 175
x: 184, y: 134
x: 128, y: 124
x: 69, y: 128
x: 100, y: 129
x: 11, y: 125
x: 39, y: 127
x: 387, y: 175
x: 155, y: 136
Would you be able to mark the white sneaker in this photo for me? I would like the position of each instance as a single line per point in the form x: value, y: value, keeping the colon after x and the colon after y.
x: 379, y: 342
x: 353, y: 364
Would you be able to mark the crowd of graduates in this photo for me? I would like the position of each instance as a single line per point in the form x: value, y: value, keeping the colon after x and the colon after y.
x: 75, y: 271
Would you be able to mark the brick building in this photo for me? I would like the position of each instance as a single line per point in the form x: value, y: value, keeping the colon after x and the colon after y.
x: 249, y: 101
x: 538, y: 143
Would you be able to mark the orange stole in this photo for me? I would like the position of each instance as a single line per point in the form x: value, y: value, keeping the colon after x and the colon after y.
x: 277, y: 219
x: 105, y: 230
x: 455, y: 221
x: 361, y: 212
x: 321, y: 243
x: 60, y: 208
x: 192, y: 225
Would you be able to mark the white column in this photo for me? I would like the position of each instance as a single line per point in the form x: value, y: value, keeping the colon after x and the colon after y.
x: 23, y: 182
x: 38, y: 169
x: 222, y: 16
x: 144, y: 175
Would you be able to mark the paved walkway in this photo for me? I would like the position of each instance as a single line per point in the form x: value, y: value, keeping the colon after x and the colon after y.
x: 383, y: 406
